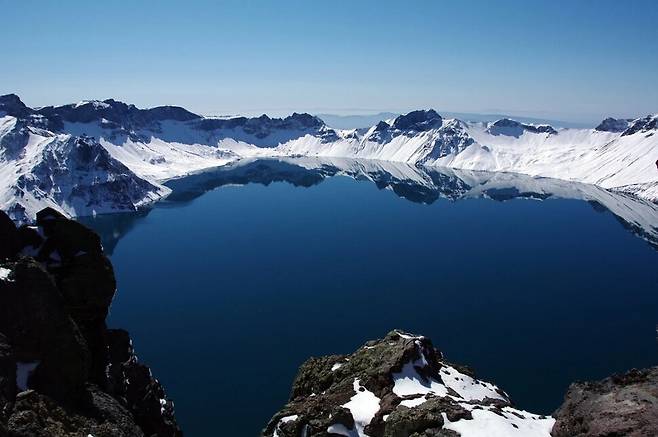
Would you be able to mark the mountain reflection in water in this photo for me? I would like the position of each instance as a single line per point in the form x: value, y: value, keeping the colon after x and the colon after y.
x: 418, y: 184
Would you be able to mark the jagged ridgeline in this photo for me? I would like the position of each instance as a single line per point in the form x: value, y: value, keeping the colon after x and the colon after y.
x: 107, y: 156
x: 63, y: 373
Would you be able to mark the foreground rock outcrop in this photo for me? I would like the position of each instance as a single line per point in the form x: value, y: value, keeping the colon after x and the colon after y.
x: 622, y: 405
x: 62, y: 372
x: 399, y: 386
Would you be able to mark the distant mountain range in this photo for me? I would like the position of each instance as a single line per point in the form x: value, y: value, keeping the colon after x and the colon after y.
x: 95, y: 157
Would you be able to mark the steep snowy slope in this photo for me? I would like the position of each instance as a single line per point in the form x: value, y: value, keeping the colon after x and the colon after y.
x: 607, y: 159
x: 74, y: 174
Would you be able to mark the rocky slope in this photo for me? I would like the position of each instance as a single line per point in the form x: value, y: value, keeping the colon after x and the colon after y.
x: 401, y: 386
x: 102, y: 156
x: 62, y: 372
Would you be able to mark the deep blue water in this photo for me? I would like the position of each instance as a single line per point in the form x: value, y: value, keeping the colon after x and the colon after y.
x: 226, y: 293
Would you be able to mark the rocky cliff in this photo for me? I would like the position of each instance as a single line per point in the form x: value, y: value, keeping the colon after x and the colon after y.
x: 62, y: 371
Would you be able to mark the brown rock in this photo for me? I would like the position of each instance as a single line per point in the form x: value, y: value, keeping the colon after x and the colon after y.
x: 621, y: 405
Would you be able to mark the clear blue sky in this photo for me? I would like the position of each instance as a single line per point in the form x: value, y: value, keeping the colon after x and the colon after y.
x: 575, y: 60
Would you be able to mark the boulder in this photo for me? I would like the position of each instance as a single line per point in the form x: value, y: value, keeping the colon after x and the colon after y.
x: 621, y: 405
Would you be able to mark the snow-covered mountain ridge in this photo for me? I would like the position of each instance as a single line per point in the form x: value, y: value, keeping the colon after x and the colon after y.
x: 102, y: 156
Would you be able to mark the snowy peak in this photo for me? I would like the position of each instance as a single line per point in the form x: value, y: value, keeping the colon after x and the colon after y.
x: 629, y: 126
x: 643, y: 125
x: 513, y: 128
x: 11, y: 104
x: 410, y: 124
x: 613, y: 125
x: 418, y: 121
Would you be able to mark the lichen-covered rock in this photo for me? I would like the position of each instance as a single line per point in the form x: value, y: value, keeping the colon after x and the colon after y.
x: 621, y: 405
x: 399, y: 386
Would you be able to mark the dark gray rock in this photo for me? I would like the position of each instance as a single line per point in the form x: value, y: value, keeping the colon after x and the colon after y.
x: 7, y: 379
x: 514, y: 128
x: 37, y: 415
x: 68, y: 238
x: 9, y: 238
x: 30, y: 240
x: 11, y: 104
x: 132, y: 381
x: 613, y: 125
x: 418, y: 121
x: 621, y: 405
x: 119, y: 113
x: 648, y: 124
x: 34, y: 318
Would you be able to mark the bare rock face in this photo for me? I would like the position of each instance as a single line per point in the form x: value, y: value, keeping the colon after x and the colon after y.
x: 130, y: 380
x: 62, y: 372
x: 621, y: 405
x: 399, y: 386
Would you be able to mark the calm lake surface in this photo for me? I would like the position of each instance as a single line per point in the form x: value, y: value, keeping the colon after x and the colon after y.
x: 227, y: 289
